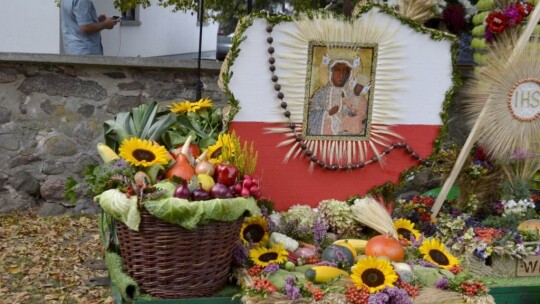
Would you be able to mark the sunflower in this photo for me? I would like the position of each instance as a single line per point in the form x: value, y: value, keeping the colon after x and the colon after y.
x: 435, y: 252
x: 264, y: 256
x: 254, y: 231
x: 205, y: 103
x: 373, y: 273
x: 405, y: 230
x: 139, y: 152
x: 181, y: 107
x: 223, y: 149
x: 188, y: 106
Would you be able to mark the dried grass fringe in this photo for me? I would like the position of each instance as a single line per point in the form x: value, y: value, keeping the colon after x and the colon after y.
x: 434, y: 295
x: 332, y: 298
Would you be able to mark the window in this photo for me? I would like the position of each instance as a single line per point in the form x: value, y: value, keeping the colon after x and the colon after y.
x: 131, y: 17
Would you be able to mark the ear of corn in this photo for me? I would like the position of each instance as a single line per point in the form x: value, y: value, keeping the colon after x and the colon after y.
x: 106, y: 153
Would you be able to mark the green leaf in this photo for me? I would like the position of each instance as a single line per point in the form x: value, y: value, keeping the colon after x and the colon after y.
x: 70, y: 186
x: 191, y: 214
x: 143, y: 122
x: 120, y: 207
x: 452, y: 194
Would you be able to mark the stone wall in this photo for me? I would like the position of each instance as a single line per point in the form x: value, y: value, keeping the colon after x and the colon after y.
x: 52, y: 110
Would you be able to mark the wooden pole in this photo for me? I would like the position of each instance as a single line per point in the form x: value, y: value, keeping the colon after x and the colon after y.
x: 520, y: 45
x: 199, y: 84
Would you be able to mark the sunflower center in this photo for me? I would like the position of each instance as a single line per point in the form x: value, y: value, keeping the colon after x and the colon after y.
x: 142, y: 154
x: 254, y: 232
x: 268, y: 256
x: 405, y: 233
x: 373, y: 277
x: 439, y: 257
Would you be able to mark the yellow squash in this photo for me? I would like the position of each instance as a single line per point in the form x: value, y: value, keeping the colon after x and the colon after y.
x: 323, y: 274
x: 358, y: 244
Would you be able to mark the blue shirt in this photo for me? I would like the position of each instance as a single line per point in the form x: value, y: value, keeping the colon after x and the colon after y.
x: 74, y: 14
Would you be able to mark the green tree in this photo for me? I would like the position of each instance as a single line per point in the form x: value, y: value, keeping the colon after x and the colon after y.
x: 222, y: 10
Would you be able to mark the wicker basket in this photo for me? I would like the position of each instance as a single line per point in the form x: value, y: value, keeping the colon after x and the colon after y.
x: 168, y: 261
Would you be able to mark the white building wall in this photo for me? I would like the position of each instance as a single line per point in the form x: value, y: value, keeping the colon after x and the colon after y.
x: 161, y: 32
x: 33, y: 26
x: 29, y: 26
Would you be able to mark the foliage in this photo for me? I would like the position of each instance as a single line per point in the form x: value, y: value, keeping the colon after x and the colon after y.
x: 509, y: 221
x: 70, y: 186
x: 244, y: 158
x: 225, y: 10
x: 98, y: 177
x: 144, y: 122
x: 203, y: 125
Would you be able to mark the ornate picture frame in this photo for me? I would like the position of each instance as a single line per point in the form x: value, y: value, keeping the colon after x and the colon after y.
x: 338, y: 102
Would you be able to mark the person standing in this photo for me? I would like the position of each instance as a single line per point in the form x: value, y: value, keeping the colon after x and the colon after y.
x: 81, y: 27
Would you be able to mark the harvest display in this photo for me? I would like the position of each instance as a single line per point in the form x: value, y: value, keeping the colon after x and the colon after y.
x: 177, y: 178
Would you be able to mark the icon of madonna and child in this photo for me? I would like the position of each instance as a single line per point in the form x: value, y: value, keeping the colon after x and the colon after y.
x: 339, y: 83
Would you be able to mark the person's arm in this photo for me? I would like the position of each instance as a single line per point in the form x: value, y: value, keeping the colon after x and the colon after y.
x: 91, y: 28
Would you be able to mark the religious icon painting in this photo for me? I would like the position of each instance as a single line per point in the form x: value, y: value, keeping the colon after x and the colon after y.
x: 364, y: 95
x: 338, y: 90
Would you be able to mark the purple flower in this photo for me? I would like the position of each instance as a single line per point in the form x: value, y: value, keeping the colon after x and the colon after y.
x: 397, y: 295
x: 340, y: 255
x: 427, y: 264
x: 241, y: 255
x: 489, y: 36
x: 416, y: 242
x: 514, y: 17
x: 119, y: 163
x: 319, y: 231
x: 378, y: 298
x: 271, y: 268
x: 456, y: 213
x: 442, y: 283
x: 304, y: 229
x: 327, y: 263
x: 291, y: 290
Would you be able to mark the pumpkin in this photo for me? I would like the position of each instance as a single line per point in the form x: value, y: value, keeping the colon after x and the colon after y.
x: 385, y: 245
x: 532, y: 226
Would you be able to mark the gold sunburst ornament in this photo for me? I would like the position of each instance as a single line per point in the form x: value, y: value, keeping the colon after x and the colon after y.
x: 139, y: 152
x: 405, y: 230
x: 435, y: 252
x: 341, y: 119
x: 254, y: 231
x: 373, y: 273
x: 264, y: 256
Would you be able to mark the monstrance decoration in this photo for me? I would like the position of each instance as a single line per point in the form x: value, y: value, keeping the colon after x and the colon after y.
x: 511, y: 120
x: 504, y: 101
x: 340, y: 86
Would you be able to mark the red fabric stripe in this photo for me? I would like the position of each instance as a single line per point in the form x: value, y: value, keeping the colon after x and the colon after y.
x: 291, y: 183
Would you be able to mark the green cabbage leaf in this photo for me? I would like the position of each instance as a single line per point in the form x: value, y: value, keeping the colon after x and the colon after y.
x: 120, y: 207
x: 191, y: 214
